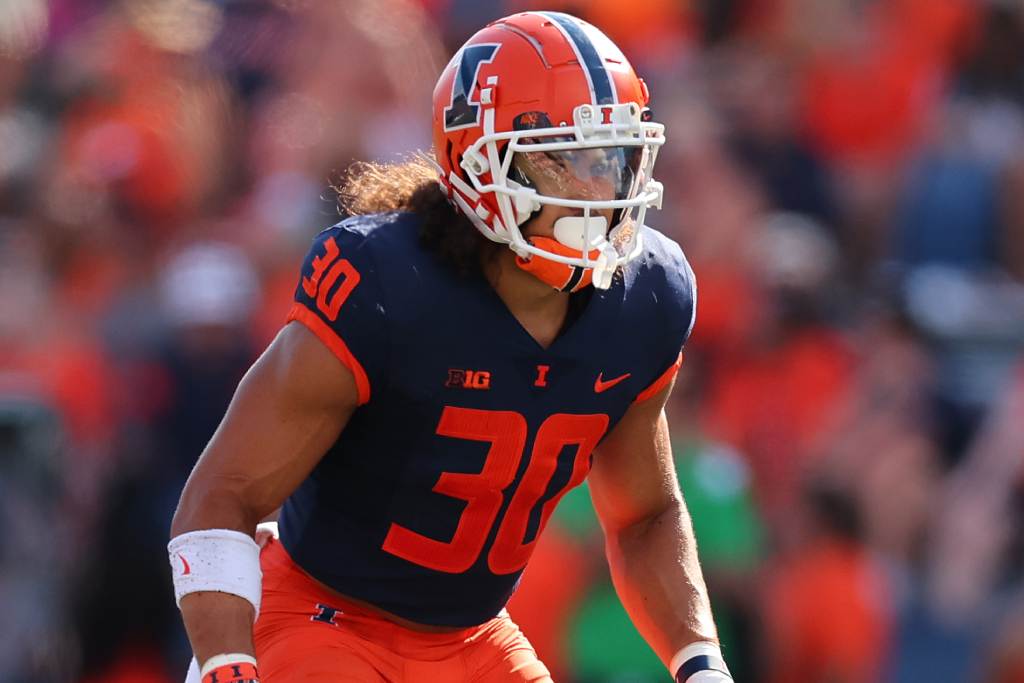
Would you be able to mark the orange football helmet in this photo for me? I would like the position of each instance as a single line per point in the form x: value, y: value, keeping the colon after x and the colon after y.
x: 542, y: 108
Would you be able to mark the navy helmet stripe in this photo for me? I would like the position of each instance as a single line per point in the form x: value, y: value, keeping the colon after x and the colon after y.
x: 599, y: 77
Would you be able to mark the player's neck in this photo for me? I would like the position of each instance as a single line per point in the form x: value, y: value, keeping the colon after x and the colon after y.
x: 539, y: 308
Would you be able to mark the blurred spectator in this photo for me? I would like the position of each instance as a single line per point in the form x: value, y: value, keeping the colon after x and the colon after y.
x: 772, y: 396
x: 957, y: 230
x: 882, y: 442
x: 977, y: 536
x: 207, y: 294
x: 48, y: 351
x: 949, y: 211
x: 974, y: 323
x: 873, y: 70
x: 827, y: 617
x: 758, y: 95
x: 34, y: 560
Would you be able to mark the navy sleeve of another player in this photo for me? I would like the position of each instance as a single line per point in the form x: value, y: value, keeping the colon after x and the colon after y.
x: 679, y: 315
x: 339, y: 299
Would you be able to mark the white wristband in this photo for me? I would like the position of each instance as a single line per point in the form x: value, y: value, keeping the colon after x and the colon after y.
x: 220, y: 660
x: 221, y: 560
x: 702, y: 649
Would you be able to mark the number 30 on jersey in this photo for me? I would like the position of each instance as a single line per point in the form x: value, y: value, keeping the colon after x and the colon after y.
x: 506, y: 431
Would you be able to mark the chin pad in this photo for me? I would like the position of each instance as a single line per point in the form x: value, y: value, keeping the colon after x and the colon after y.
x: 561, y: 276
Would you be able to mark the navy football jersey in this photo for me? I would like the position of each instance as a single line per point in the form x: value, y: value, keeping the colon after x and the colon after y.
x: 468, y: 431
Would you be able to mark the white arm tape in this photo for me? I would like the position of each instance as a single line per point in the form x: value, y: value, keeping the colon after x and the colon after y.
x: 221, y: 560
x: 220, y: 660
x: 701, y: 647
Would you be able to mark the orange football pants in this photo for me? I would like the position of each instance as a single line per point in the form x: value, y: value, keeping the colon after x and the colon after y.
x: 306, y: 633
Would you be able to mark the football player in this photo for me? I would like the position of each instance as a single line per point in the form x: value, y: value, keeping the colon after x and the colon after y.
x: 449, y: 370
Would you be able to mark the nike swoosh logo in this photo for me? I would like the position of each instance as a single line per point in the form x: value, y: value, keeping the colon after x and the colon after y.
x: 600, y: 385
x: 188, y: 569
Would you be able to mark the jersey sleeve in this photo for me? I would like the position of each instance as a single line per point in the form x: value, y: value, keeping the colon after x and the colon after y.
x: 679, y: 313
x: 339, y: 299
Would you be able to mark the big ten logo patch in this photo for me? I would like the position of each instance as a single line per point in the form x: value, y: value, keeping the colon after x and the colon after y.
x: 468, y: 379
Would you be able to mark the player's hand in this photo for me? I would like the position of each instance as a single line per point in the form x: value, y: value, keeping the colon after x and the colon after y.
x: 265, y: 532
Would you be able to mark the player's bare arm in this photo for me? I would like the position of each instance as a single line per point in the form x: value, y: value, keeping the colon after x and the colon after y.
x: 287, y: 411
x: 649, y: 538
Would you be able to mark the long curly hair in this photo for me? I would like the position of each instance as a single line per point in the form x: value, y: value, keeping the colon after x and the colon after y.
x: 411, y: 185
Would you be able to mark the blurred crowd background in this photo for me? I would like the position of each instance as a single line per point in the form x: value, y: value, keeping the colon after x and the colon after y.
x: 846, y: 177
